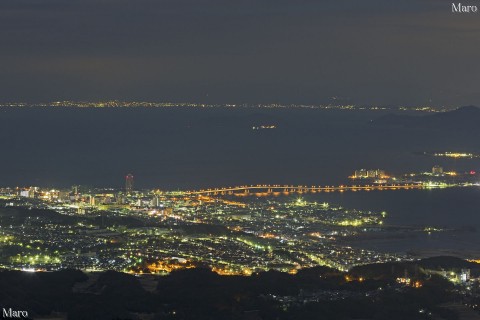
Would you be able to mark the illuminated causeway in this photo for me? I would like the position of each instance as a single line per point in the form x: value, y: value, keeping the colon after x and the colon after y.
x: 286, y: 189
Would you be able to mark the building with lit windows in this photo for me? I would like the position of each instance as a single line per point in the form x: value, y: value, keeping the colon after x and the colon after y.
x: 129, y: 183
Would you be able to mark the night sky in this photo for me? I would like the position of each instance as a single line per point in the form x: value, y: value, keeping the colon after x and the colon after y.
x: 385, y: 52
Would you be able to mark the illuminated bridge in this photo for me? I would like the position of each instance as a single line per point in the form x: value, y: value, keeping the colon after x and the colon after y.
x: 286, y: 189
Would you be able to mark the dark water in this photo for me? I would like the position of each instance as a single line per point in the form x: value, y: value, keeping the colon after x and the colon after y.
x: 449, y: 207
x: 189, y: 148
x: 455, y: 209
x: 192, y: 148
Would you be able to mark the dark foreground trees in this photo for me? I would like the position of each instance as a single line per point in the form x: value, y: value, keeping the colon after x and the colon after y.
x: 369, y: 292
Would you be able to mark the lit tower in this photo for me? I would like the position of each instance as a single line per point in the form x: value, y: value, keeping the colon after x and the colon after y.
x: 129, y: 183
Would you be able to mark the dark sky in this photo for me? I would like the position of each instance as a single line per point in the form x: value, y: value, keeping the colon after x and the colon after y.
x: 387, y: 52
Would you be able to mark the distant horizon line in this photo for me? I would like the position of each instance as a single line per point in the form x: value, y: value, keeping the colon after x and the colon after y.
x: 114, y: 103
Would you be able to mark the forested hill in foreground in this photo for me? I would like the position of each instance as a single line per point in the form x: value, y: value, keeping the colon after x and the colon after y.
x: 366, y: 292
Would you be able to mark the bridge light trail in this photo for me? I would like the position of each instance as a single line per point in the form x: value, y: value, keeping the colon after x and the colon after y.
x: 272, y: 189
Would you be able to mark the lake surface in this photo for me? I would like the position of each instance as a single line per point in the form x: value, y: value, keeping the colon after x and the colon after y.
x: 190, y: 148
x: 451, y: 208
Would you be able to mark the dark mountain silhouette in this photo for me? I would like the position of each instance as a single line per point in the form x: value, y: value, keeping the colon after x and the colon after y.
x: 202, y: 294
x: 464, y: 118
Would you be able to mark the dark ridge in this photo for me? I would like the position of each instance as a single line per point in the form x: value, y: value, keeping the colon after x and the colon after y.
x: 202, y: 294
x: 392, y: 270
x: 463, y: 118
x: 447, y: 262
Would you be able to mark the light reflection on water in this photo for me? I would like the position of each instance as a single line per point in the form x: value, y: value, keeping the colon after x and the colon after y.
x: 452, y: 208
